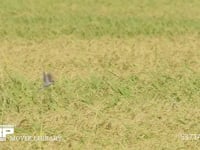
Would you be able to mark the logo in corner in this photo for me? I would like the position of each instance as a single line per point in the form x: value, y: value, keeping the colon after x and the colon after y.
x: 5, y: 130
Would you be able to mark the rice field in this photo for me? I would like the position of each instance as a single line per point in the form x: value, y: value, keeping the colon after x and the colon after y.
x: 127, y: 74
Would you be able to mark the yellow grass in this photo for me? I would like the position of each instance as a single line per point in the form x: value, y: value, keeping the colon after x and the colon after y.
x: 160, y: 100
x: 127, y: 73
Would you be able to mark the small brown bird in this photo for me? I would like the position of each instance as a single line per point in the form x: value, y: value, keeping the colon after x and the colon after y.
x: 47, y: 79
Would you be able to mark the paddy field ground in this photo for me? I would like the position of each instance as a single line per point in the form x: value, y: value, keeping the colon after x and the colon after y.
x: 127, y: 73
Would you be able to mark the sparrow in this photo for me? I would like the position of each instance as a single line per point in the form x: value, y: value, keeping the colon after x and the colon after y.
x: 47, y: 79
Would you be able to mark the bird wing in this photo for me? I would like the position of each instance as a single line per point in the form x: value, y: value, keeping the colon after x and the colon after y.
x: 45, y: 77
x: 49, y: 77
